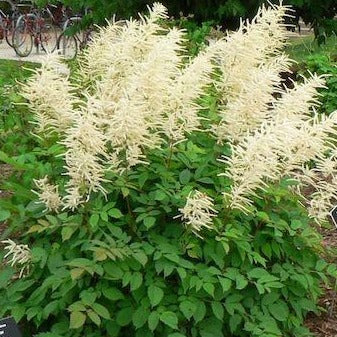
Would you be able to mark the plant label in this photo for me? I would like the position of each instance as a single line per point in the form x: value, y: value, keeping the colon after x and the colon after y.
x: 9, y: 328
x: 333, y: 215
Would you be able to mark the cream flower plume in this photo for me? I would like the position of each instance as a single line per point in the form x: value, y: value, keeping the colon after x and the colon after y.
x: 17, y: 255
x: 198, y: 212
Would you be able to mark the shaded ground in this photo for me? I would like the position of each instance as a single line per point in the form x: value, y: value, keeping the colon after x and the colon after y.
x: 325, y: 325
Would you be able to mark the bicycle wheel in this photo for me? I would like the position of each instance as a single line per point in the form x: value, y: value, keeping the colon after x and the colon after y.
x: 48, y: 37
x: 9, y: 31
x: 22, y: 40
x: 67, y: 46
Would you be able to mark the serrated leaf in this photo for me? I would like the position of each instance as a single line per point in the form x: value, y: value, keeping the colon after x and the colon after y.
x: 234, y: 322
x: 124, y: 316
x: 141, y: 258
x: 101, y: 310
x: 153, y: 320
x: 218, y: 310
x: 18, y: 312
x: 170, y: 319
x: 88, y: 297
x: 5, y: 276
x: 155, y: 295
x: 77, y: 319
x: 200, y: 312
x: 149, y: 222
x: 209, y: 288
x: 160, y: 195
x: 76, y: 273
x: 279, y: 310
x: 113, y: 294
x: 225, y: 283
x: 94, y: 317
x: 187, y: 308
x: 93, y: 221
x: 136, y: 281
x: 115, y: 213
x: 140, y: 316
x: 185, y: 176
x: 67, y: 232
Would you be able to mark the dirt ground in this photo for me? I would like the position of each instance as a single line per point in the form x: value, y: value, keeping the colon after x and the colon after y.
x: 325, y: 325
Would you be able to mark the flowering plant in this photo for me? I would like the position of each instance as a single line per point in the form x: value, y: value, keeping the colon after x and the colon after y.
x: 169, y: 187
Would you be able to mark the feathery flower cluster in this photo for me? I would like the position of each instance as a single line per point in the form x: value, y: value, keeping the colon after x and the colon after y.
x: 17, y: 255
x: 51, y: 96
x: 198, y: 212
x: 323, y: 178
x: 251, y: 64
x: 48, y: 194
x: 135, y: 89
x: 274, y: 130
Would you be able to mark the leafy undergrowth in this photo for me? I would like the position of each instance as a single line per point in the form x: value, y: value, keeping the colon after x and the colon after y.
x: 317, y: 59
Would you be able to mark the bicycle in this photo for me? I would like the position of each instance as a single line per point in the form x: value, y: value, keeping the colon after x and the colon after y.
x: 70, y: 44
x: 8, y: 21
x: 35, y: 28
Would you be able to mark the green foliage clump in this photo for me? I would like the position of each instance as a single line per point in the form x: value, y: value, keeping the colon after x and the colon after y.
x: 122, y: 266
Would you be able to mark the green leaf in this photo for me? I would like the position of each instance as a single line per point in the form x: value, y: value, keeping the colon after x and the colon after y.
x: 18, y: 312
x: 170, y: 319
x: 176, y: 334
x: 187, y: 308
x: 104, y: 216
x: 209, y: 288
x: 141, y: 257
x: 200, y: 312
x: 140, y: 316
x: 67, y: 232
x: 77, y: 319
x: 218, y: 310
x: 94, y: 317
x: 160, y: 195
x: 115, y: 213
x: 113, y: 294
x: 101, y: 310
x: 5, y: 276
x: 136, y: 281
x: 185, y: 176
x: 155, y: 295
x: 234, y: 322
x: 88, y: 297
x: 93, y: 221
x: 124, y: 316
x: 149, y: 222
x: 50, y: 308
x: 241, y: 282
x: 4, y: 215
x: 153, y: 320
x: 279, y: 310
x: 225, y: 283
